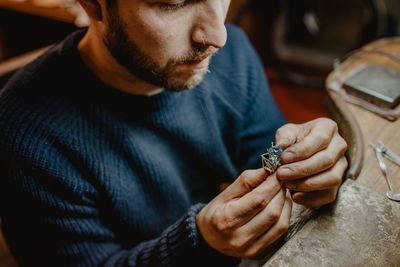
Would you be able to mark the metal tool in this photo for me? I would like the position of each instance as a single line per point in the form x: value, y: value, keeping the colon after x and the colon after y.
x: 382, y: 150
x: 389, y: 154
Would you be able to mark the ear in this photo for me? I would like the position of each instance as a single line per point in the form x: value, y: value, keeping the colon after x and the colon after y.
x: 92, y: 8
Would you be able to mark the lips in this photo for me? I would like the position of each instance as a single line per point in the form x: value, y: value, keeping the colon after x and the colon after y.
x: 197, y: 64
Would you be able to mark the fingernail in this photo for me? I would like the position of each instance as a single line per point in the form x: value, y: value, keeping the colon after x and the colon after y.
x: 298, y: 199
x: 284, y: 143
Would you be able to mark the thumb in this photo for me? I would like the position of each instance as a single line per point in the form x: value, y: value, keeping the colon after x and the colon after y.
x: 245, y: 183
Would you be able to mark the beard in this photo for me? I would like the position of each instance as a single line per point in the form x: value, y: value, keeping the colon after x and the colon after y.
x: 130, y: 56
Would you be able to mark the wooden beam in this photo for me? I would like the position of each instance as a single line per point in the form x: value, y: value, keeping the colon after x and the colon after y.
x: 13, y: 64
x: 56, y: 13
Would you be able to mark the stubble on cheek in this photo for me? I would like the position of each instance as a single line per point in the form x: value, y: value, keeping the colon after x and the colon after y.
x: 150, y: 68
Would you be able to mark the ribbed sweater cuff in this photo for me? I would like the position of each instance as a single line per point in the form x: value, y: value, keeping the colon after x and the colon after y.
x: 186, y: 242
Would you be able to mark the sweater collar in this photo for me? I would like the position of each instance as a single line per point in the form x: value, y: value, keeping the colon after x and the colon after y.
x: 96, y: 89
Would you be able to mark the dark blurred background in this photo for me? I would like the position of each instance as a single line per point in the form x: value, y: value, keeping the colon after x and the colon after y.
x: 297, y: 40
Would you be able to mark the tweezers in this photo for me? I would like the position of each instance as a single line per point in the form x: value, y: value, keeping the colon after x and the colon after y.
x: 388, y: 153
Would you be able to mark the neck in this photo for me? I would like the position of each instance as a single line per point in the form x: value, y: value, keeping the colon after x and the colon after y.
x: 99, y: 60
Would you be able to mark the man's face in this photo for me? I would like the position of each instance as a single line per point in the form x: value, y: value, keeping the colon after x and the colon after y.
x: 167, y: 43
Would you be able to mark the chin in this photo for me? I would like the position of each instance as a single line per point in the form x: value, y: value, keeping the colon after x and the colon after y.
x: 179, y: 85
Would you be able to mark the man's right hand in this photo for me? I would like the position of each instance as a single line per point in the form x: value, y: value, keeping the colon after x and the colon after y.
x: 247, y: 217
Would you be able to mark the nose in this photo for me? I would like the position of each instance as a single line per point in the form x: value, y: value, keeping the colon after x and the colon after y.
x: 209, y: 28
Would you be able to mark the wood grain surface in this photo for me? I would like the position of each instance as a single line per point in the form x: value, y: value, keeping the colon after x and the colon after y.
x: 360, y: 229
x: 372, y: 126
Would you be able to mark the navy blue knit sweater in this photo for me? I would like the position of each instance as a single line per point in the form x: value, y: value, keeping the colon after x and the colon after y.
x: 92, y: 176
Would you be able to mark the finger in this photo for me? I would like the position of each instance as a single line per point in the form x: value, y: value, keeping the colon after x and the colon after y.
x: 318, y: 136
x: 245, y: 183
x: 261, y: 245
x: 260, y: 223
x: 316, y: 198
x: 319, y: 162
x: 288, y: 135
x: 331, y: 178
x: 239, y: 211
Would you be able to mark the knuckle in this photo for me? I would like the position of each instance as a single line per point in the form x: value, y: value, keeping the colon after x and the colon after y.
x: 283, y: 227
x: 274, y: 215
x: 343, y: 144
x: 221, y: 223
x: 284, y: 129
x: 324, y: 137
x: 251, y: 253
x: 216, y: 223
x: 247, y: 179
x: 330, y: 159
x: 326, y: 122
x: 237, y: 243
x: 337, y: 180
x: 259, y: 201
x: 333, y: 124
x: 310, y: 183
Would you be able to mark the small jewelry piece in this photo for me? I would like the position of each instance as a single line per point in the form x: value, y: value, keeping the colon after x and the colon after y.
x: 271, y: 160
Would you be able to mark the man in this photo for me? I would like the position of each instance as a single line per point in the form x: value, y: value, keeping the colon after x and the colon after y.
x: 106, y: 157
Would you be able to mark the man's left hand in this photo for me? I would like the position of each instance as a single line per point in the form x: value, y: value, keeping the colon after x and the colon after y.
x: 313, y: 160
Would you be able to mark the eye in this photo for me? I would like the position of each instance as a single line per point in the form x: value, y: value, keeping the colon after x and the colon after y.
x: 172, y: 7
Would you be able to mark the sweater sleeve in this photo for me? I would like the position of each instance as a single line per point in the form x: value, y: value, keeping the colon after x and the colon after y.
x: 50, y: 221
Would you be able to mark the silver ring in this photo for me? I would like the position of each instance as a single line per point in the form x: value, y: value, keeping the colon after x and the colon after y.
x: 271, y: 159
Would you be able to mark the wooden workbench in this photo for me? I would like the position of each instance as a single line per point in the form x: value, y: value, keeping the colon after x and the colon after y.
x: 362, y: 227
x: 27, y: 7
x: 362, y: 127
